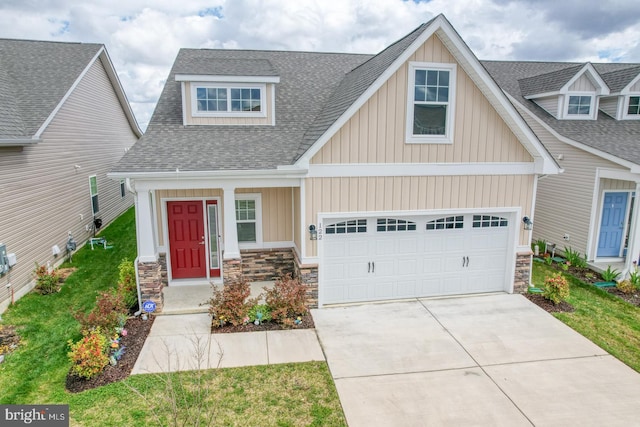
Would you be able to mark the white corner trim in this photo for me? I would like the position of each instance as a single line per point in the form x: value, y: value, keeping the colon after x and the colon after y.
x: 593, y: 76
x: 226, y: 79
x: 419, y: 169
x: 183, y: 93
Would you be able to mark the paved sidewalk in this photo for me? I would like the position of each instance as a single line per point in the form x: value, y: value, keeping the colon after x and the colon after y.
x: 183, y: 342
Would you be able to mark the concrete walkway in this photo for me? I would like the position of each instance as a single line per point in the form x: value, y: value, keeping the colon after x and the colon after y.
x: 184, y: 342
x: 493, y: 360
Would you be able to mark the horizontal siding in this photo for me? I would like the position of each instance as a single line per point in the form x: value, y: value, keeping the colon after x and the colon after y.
x: 416, y: 193
x: 228, y: 120
x: 549, y: 104
x: 376, y: 132
x: 277, y: 210
x: 44, y: 194
x: 583, y: 84
x: 609, y: 105
x: 563, y: 202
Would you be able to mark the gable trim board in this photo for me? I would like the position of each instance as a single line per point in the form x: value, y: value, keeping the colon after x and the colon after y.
x: 419, y: 169
x: 446, y: 33
x: 115, y: 82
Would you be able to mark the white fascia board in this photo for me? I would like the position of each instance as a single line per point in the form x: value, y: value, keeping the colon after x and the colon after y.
x: 542, y: 95
x: 419, y: 169
x: 594, y: 77
x: 498, y: 99
x: 633, y: 168
x: 226, y: 79
x: 627, y: 89
x: 215, y: 174
x: 377, y: 84
x: 115, y: 82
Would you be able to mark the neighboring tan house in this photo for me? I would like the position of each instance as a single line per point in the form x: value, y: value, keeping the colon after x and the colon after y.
x: 64, y: 123
x: 398, y: 175
x: 588, y: 116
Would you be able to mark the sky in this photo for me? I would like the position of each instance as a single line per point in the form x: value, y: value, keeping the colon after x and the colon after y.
x: 143, y: 37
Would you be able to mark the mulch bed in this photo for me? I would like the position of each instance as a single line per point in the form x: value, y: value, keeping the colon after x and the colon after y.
x: 9, y: 339
x: 633, y: 298
x: 549, y: 306
x: 137, y: 331
x: 307, y: 323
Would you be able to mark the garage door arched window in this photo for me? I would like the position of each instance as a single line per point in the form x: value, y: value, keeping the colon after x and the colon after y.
x: 484, y: 221
x: 392, y: 224
x: 446, y: 223
x: 347, y: 227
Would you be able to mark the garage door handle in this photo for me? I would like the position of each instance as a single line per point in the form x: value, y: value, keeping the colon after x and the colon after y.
x: 467, y: 261
x: 463, y: 261
x: 373, y: 267
x: 369, y: 267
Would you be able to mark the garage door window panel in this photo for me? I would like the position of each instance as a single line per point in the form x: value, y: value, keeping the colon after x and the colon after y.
x: 484, y: 221
x: 447, y: 223
x: 347, y: 227
x: 392, y: 224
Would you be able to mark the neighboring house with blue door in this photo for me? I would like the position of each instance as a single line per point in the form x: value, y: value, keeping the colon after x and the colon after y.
x: 588, y: 116
x: 64, y: 122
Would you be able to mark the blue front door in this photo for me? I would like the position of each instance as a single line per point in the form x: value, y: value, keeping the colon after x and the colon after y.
x: 614, y: 210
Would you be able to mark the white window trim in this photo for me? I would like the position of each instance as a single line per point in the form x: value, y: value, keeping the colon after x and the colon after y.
x: 593, y: 106
x: 257, y: 197
x: 91, y: 195
x: 625, y: 109
x: 123, y: 189
x: 447, y: 138
x: 194, y: 100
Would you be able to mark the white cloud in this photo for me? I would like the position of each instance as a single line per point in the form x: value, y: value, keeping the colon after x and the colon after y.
x: 143, y: 37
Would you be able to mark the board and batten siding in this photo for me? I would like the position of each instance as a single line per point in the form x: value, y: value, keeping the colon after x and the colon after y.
x: 563, y: 202
x: 368, y: 194
x: 191, y: 120
x: 583, y: 84
x: 277, y: 210
x: 376, y: 132
x: 44, y: 196
x: 607, y: 184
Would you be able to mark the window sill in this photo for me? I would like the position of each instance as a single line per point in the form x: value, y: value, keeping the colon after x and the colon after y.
x: 429, y: 140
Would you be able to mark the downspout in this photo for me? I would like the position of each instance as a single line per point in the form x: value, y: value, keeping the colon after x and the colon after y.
x: 137, y: 313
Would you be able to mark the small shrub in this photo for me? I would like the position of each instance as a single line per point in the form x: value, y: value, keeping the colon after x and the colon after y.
x: 127, y: 286
x: 634, y: 278
x: 89, y: 355
x: 565, y: 266
x: 626, y: 287
x: 108, y: 313
x: 574, y: 257
x: 46, y: 282
x: 231, y: 304
x: 259, y: 308
x: 548, y: 260
x: 610, y: 274
x: 287, y: 299
x: 541, y: 244
x: 556, y: 288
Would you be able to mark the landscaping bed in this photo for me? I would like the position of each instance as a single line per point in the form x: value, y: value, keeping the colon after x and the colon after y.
x: 549, y: 306
x: 137, y: 332
x: 306, y: 322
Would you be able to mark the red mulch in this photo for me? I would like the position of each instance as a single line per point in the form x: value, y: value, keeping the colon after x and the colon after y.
x: 307, y: 323
x: 549, y: 306
x: 137, y: 331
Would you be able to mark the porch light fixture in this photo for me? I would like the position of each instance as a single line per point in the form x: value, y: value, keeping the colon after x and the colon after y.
x: 528, y: 224
x: 313, y: 233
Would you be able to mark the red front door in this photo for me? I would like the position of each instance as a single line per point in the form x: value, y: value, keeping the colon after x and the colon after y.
x: 186, y: 239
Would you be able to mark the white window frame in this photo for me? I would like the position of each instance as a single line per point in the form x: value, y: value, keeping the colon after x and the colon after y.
x: 592, y: 106
x: 625, y: 111
x: 228, y: 86
x: 447, y: 138
x: 257, y: 197
x: 91, y: 195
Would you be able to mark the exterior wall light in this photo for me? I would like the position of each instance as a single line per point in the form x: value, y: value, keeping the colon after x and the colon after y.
x: 313, y: 233
x: 528, y: 224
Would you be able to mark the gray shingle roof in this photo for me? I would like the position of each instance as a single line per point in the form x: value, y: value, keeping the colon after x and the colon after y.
x: 548, y: 82
x: 618, y: 138
x: 314, y: 90
x: 617, y: 80
x: 34, y: 77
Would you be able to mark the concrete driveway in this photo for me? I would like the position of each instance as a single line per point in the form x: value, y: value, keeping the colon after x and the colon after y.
x: 491, y: 360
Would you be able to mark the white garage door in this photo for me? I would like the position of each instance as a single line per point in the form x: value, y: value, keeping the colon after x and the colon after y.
x: 369, y: 259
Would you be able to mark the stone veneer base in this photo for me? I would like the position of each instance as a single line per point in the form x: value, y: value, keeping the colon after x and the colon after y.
x: 522, y: 275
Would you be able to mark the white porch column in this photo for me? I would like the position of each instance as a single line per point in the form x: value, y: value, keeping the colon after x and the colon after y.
x: 633, y: 251
x: 144, y: 227
x: 231, y: 249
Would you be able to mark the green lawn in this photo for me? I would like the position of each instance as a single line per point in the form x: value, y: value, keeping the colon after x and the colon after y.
x: 605, y: 319
x: 274, y: 395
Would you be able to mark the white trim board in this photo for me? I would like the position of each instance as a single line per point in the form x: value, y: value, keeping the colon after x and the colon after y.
x: 419, y: 169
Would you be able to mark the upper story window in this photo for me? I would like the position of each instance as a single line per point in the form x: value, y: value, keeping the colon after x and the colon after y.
x: 579, y: 105
x: 430, y: 106
x: 634, y: 106
x: 228, y: 100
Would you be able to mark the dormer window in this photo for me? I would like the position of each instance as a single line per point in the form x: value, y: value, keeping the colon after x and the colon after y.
x: 227, y: 100
x: 579, y: 105
x: 430, y: 106
x: 634, y: 106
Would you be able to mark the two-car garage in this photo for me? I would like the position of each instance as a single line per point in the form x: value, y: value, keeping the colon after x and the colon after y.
x: 383, y: 257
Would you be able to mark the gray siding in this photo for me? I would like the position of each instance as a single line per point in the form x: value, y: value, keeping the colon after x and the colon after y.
x: 44, y: 194
x: 583, y: 84
x: 563, y: 202
x: 549, y: 104
x: 609, y: 105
